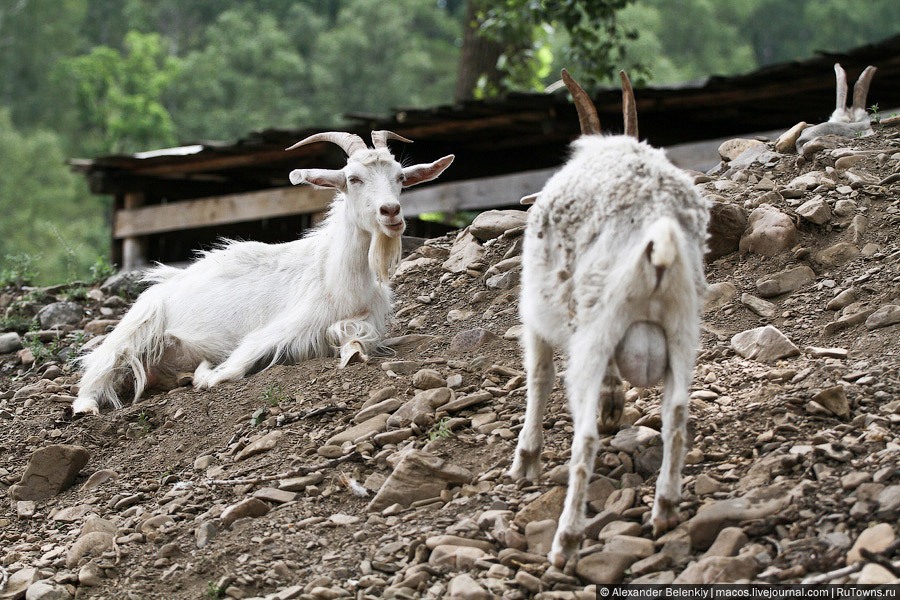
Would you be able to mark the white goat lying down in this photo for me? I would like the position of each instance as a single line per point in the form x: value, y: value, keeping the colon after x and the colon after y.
x: 612, y: 275
x: 847, y: 122
x: 248, y: 305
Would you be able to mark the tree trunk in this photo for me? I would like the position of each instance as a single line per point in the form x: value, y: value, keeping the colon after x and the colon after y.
x: 478, y: 58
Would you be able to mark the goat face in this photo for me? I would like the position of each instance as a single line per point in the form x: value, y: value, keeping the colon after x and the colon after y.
x: 373, y: 183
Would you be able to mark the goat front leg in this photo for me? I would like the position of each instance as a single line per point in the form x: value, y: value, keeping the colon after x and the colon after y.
x: 675, y: 412
x: 353, y: 338
x: 257, y: 346
x: 540, y: 373
x: 584, y: 381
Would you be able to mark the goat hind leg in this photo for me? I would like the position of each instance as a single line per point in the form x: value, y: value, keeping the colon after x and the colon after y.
x: 353, y: 338
x: 675, y: 412
x: 583, y: 384
x: 257, y: 346
x: 540, y: 372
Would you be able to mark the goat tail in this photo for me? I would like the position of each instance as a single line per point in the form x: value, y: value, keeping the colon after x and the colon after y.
x: 660, y: 251
x: 138, y: 341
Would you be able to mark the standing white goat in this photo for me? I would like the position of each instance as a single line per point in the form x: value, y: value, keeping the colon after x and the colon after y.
x: 248, y: 305
x: 612, y: 275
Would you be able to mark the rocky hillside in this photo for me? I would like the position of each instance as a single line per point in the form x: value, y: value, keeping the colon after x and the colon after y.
x: 385, y: 480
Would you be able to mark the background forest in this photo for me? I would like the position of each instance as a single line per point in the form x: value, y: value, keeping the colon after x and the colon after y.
x: 81, y: 78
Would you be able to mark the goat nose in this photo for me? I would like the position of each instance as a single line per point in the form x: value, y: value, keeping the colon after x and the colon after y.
x: 390, y: 210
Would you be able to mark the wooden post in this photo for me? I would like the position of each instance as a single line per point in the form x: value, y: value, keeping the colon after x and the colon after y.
x: 134, y: 249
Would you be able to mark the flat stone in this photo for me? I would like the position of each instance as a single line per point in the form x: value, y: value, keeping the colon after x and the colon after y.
x: 470, y: 340
x: 787, y: 141
x: 845, y: 298
x: 761, y: 307
x: 631, y: 438
x: 494, y: 223
x: 728, y: 543
x: 884, y: 317
x: 705, y: 485
x: 835, y: 400
x: 837, y: 255
x: 247, y: 508
x: 719, y: 569
x: 464, y: 253
x: 275, y: 495
x: 93, y: 544
x: 763, y: 344
x: 769, y: 232
x: 263, y: 444
x: 426, y: 379
x: 876, y: 538
x: 539, y: 535
x: 361, y: 431
x: 50, y: 470
x: 719, y: 294
x: 456, y: 557
x: 419, y: 475
x: 464, y: 587
x: 18, y: 583
x: 817, y: 352
x: 463, y: 402
x: 385, y: 407
x: 712, y: 518
x: 547, y: 506
x: 785, y: 281
x: 636, y: 546
x: 731, y: 149
x: 604, y: 567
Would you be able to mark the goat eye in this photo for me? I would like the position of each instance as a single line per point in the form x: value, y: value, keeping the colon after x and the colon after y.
x: 354, y: 180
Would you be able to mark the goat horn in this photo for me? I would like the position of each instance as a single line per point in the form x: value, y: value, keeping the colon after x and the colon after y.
x: 381, y: 137
x: 861, y: 89
x: 840, y: 77
x: 587, y: 113
x: 348, y: 142
x: 629, y: 109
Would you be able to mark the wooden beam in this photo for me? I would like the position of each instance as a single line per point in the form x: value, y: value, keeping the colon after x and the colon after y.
x: 474, y: 194
x: 218, y: 210
x: 134, y: 248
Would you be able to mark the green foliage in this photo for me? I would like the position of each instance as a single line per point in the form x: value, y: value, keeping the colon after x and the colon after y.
x: 19, y: 270
x: 214, y: 591
x: 274, y: 395
x: 120, y: 94
x: 593, y: 45
x: 440, y: 430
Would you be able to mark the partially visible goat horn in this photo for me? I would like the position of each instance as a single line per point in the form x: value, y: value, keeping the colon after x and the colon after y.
x: 587, y: 113
x: 629, y: 109
x: 861, y: 89
x: 840, y: 77
x: 381, y: 137
x: 348, y: 142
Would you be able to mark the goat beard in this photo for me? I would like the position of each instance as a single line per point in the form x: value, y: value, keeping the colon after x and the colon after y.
x: 384, y: 255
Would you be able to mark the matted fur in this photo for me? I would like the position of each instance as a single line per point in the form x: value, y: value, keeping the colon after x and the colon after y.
x: 612, y: 270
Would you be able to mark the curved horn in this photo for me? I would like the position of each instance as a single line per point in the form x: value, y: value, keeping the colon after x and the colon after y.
x: 861, y: 89
x: 629, y: 109
x: 348, y: 142
x: 381, y: 137
x: 840, y: 76
x: 587, y: 113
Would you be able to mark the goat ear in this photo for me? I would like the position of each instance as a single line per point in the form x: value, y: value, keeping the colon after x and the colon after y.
x: 325, y: 178
x: 417, y: 174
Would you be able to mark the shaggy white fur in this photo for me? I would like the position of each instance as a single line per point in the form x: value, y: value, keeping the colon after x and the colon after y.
x: 248, y: 305
x: 613, y: 276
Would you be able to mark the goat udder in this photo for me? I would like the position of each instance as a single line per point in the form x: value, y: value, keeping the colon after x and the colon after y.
x: 641, y: 354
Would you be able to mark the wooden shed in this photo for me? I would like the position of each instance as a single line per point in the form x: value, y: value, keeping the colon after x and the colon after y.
x: 171, y: 202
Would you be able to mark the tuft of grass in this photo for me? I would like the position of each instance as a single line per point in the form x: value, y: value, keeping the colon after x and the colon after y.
x: 102, y: 269
x: 440, y: 430
x: 214, y: 591
x: 273, y: 395
x: 20, y: 270
x: 875, y: 115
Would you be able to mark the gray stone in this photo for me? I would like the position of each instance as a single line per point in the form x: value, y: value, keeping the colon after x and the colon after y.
x: 769, y: 232
x: 470, y: 340
x: 815, y: 211
x: 263, y: 444
x: 719, y: 569
x: 59, y: 314
x: 419, y: 475
x: 731, y: 149
x: 463, y: 254
x: 50, y: 470
x: 728, y: 543
x: 727, y: 223
x: 761, y: 307
x: 247, y: 508
x: 47, y: 590
x: 420, y: 409
x: 835, y: 400
x: 884, y: 317
x: 10, y: 342
x: 712, y: 518
x: 604, y: 567
x: 494, y: 223
x: 426, y: 379
x: 763, y: 344
x: 93, y: 544
x: 837, y: 255
x: 889, y: 500
x: 631, y: 438
x: 787, y: 140
x: 362, y: 431
x: 719, y: 294
x: 539, y: 535
x: 785, y: 281
x: 876, y: 538
x: 18, y: 583
x: 464, y: 587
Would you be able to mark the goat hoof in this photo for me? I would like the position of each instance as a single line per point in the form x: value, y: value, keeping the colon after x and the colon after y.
x: 85, y: 406
x: 664, y: 522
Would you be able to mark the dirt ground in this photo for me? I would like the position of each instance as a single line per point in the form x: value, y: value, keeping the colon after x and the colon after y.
x: 754, y: 426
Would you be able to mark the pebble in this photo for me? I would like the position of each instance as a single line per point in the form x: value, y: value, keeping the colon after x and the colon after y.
x: 246, y: 508
x: 763, y: 344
